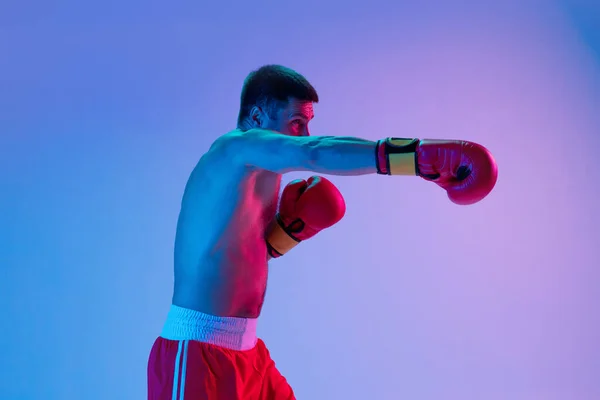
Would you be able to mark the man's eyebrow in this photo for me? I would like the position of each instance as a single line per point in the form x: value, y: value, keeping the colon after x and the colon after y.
x: 301, y: 114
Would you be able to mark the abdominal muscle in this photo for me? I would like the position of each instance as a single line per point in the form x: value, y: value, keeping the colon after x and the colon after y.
x: 220, y: 252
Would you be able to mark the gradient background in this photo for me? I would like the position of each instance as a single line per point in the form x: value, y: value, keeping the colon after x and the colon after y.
x: 106, y: 107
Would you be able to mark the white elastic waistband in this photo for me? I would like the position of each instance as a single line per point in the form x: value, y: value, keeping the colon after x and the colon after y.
x: 230, y: 332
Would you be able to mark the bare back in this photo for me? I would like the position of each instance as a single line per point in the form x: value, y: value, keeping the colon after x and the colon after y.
x: 220, y: 251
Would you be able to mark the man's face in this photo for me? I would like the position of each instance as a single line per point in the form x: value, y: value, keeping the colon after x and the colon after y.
x: 292, y: 119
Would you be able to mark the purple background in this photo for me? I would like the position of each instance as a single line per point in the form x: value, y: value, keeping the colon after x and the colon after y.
x: 106, y: 107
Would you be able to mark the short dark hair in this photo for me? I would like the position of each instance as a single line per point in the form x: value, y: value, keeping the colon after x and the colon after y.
x: 272, y: 86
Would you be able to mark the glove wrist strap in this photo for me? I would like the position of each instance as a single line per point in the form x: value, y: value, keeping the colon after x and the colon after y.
x: 397, y: 156
x: 279, y: 241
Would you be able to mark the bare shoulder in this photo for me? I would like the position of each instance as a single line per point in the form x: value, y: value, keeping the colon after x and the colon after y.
x: 236, y: 138
x: 224, y: 141
x: 235, y: 148
x: 217, y: 163
x: 219, y: 152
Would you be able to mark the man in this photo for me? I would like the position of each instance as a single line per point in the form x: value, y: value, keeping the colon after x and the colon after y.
x: 228, y: 228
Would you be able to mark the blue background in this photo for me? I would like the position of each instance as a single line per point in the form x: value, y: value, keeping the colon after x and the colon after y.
x: 105, y: 107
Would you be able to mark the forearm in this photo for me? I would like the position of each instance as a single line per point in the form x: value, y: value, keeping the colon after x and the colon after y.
x: 342, y: 155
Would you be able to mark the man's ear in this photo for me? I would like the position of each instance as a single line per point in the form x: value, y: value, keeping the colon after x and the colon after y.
x: 256, y: 116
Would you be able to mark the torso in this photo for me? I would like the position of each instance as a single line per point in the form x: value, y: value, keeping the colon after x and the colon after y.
x: 220, y: 252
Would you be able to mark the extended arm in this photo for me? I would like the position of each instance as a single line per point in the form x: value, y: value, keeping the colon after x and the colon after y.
x: 332, y: 155
x: 466, y: 170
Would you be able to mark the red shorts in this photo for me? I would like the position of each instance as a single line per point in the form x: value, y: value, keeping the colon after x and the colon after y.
x: 190, y: 369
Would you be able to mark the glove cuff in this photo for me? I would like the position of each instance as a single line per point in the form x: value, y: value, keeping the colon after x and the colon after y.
x: 397, y: 156
x: 278, y: 240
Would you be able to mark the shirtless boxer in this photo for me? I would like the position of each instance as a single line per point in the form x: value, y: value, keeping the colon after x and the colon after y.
x: 227, y: 230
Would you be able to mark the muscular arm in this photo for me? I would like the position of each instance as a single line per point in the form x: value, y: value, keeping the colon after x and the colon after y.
x: 272, y: 151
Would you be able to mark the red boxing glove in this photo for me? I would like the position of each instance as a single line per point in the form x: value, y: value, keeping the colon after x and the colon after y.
x: 466, y: 170
x: 305, y: 209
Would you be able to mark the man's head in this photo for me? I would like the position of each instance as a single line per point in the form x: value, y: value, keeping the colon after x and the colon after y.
x: 277, y: 98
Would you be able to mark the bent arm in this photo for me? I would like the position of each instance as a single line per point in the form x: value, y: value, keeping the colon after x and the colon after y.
x: 331, y: 155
